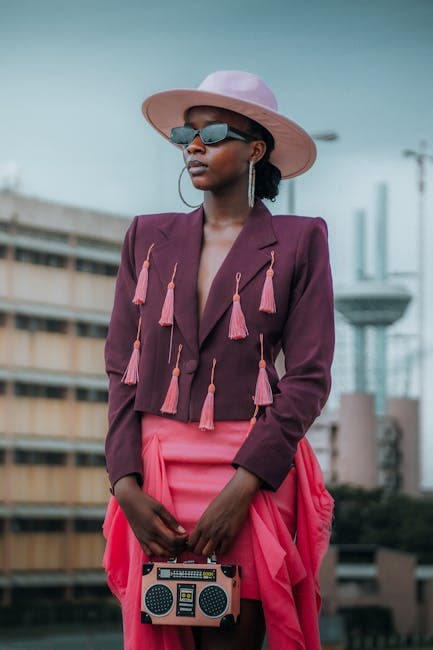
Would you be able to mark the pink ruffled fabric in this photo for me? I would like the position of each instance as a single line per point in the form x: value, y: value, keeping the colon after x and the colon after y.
x: 184, y: 469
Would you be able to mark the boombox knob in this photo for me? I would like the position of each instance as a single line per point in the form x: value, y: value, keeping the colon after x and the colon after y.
x: 228, y: 621
x: 229, y: 570
x: 147, y: 568
x: 145, y: 618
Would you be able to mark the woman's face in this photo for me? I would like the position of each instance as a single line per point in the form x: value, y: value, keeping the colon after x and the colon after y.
x: 216, y: 166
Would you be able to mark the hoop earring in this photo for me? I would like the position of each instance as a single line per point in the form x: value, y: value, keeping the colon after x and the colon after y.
x: 180, y: 191
x: 251, y: 184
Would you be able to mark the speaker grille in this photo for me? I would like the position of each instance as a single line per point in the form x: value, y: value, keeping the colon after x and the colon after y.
x: 213, y: 601
x: 158, y: 600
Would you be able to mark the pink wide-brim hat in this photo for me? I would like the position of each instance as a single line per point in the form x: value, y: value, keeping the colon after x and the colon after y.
x: 244, y: 93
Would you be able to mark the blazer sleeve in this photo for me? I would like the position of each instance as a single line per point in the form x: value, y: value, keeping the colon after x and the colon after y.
x: 123, y: 441
x: 308, y: 346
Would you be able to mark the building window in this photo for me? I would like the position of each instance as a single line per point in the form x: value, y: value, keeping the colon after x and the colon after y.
x: 99, y: 244
x: 91, y: 330
x: 37, y: 390
x: 360, y: 586
x: 38, y: 233
x: 36, y: 457
x: 40, y: 593
x: 24, y: 525
x: 87, y: 526
x: 2, y: 319
x: 40, y: 258
x: 91, y: 395
x: 97, y: 268
x: 89, y: 460
x: 3, y: 251
x: 34, y: 324
x: 96, y: 591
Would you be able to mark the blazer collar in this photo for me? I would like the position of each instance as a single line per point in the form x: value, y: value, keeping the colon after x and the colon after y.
x: 182, y: 241
x: 248, y: 254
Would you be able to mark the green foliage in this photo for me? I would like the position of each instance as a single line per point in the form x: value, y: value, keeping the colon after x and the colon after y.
x: 396, y: 521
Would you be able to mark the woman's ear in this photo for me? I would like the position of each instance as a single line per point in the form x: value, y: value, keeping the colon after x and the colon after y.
x: 257, y: 150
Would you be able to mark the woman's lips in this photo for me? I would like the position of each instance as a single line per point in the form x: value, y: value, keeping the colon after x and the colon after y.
x: 196, y: 167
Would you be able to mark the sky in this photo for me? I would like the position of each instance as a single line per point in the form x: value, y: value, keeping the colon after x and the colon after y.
x: 73, y: 77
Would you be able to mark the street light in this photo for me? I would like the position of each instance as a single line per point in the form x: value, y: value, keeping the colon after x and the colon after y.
x: 421, y: 157
x: 322, y: 136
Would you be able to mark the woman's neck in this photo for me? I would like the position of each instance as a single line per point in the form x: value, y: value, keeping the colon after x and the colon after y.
x: 221, y: 211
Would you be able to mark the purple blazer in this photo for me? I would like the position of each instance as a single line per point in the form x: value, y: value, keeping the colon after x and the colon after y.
x: 303, y: 326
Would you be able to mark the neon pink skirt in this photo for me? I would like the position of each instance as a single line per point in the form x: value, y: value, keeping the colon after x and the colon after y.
x: 185, y: 468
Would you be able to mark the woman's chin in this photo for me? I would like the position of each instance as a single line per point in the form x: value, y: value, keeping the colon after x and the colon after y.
x: 199, y: 184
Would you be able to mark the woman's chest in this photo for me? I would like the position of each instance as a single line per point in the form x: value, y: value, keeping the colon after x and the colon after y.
x: 214, y: 250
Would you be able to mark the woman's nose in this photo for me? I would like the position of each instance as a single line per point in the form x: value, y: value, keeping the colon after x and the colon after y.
x: 195, y: 145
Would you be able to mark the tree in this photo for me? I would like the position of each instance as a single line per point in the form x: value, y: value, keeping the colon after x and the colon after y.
x: 396, y: 521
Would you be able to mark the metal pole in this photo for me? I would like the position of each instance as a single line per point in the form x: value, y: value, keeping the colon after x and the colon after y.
x: 381, y: 275
x: 292, y: 197
x: 360, y: 245
x: 360, y: 330
x: 421, y: 157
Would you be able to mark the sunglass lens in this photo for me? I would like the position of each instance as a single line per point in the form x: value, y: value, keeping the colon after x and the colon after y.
x: 214, y: 133
x: 182, y: 135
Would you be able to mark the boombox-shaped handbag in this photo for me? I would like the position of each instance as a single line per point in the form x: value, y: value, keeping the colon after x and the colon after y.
x: 187, y: 593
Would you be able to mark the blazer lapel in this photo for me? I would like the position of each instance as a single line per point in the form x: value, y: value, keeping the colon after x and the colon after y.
x: 181, y: 243
x: 248, y: 254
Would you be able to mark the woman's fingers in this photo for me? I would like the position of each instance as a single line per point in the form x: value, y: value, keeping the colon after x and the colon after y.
x: 153, y: 525
x: 169, y: 520
x: 209, y: 549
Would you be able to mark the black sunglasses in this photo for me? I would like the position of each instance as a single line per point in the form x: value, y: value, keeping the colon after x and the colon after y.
x: 210, y: 134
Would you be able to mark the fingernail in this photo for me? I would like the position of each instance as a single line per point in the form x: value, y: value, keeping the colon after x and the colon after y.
x: 180, y: 529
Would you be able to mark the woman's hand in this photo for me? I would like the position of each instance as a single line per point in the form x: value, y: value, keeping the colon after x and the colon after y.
x: 224, y: 516
x: 155, y: 528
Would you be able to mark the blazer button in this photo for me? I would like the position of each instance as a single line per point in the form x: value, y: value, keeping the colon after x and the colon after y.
x: 191, y: 366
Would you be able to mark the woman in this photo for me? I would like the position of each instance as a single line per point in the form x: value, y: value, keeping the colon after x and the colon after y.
x: 202, y: 450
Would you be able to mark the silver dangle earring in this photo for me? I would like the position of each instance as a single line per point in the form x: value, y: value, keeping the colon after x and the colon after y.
x: 251, y: 184
x: 180, y: 191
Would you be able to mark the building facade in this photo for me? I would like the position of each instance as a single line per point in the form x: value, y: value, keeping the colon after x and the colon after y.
x: 355, y: 445
x: 57, y: 272
x: 357, y: 576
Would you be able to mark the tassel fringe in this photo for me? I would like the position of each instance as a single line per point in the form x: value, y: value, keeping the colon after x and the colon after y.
x: 263, y: 395
x: 207, y: 411
x: 172, y: 396
x: 167, y: 311
x: 143, y: 280
x: 131, y: 375
x: 253, y: 420
x: 267, y: 301
x: 237, y: 326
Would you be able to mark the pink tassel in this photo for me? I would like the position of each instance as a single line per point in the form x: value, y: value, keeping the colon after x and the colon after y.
x: 167, y: 312
x: 130, y: 376
x: 207, y: 411
x: 263, y: 395
x: 253, y: 420
x: 172, y: 397
x: 267, y: 301
x: 237, y: 327
x: 142, y: 282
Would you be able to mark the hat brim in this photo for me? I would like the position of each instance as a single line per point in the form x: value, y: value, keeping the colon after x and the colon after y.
x: 294, y: 153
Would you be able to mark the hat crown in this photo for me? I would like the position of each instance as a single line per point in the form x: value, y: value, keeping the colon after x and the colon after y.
x: 240, y: 85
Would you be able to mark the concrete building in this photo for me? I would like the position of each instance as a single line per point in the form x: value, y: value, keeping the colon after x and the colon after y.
x: 362, y: 576
x: 354, y: 445
x: 57, y: 268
